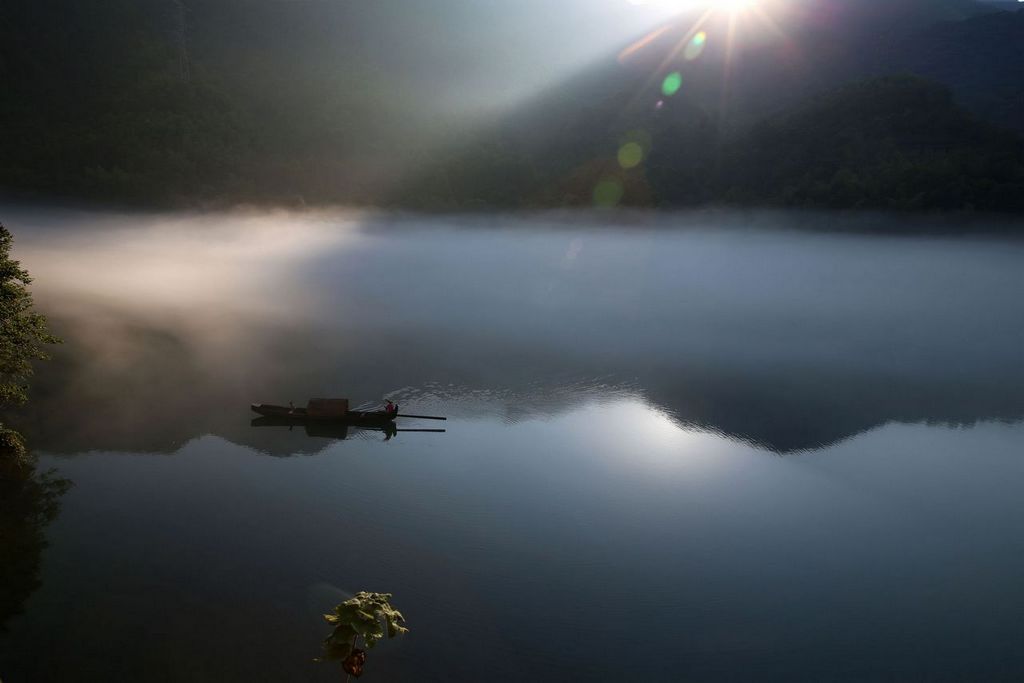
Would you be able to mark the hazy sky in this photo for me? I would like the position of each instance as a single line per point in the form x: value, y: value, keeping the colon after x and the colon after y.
x: 494, y: 52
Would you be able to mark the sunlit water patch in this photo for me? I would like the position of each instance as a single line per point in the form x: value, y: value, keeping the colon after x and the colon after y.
x: 615, y: 527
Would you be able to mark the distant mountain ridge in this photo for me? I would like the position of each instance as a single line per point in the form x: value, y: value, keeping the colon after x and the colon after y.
x: 296, y: 102
x: 567, y: 141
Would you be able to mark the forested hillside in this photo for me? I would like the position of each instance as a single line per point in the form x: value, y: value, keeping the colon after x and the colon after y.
x: 898, y: 143
x: 160, y: 102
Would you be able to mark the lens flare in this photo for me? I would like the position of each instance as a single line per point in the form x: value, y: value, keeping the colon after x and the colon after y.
x: 630, y: 155
x: 670, y: 86
x: 695, y: 47
x: 608, y: 193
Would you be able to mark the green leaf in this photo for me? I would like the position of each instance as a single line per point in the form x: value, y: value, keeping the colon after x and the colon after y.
x: 367, y: 615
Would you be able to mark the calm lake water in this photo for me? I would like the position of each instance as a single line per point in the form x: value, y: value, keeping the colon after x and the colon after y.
x: 697, y: 448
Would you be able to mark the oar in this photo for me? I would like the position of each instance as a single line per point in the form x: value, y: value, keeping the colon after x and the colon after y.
x: 422, y: 417
x: 433, y: 431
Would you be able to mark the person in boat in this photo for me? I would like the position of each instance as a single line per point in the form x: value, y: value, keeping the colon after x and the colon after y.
x: 391, y: 409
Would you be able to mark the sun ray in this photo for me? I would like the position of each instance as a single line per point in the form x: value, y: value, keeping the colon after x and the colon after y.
x: 730, y: 51
x: 681, y: 45
x: 768, y: 21
x: 643, y: 42
x: 673, y: 53
x: 735, y: 14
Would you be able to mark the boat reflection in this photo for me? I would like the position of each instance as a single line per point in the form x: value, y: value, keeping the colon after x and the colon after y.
x: 338, y: 430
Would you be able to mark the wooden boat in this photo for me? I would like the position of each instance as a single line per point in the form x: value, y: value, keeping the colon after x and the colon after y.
x: 327, y: 429
x: 325, y: 410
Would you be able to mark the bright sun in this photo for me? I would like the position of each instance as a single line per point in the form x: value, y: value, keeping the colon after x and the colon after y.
x: 683, y: 5
x: 736, y: 11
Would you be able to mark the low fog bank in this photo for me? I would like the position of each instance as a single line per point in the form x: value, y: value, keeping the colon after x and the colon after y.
x: 779, y: 336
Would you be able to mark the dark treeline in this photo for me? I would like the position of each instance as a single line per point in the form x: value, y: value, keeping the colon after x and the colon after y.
x: 897, y: 143
x: 184, y: 103
x: 29, y: 499
x: 95, y: 106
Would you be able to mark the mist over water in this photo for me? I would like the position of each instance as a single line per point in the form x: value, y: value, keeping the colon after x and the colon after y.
x: 785, y: 338
x: 608, y: 502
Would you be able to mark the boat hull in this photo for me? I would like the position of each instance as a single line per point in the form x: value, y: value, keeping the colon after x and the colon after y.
x: 300, y: 415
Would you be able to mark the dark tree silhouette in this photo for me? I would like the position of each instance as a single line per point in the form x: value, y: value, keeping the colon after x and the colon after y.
x: 23, y: 338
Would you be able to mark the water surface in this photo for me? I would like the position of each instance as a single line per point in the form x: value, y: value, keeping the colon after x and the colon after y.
x: 682, y: 449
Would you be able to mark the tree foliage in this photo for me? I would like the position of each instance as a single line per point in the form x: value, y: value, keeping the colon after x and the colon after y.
x: 369, y: 616
x: 23, y: 338
x: 29, y: 500
x: 887, y: 143
x: 23, y: 332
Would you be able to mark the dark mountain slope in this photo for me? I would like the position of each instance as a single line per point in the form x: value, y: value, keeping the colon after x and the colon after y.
x: 314, y: 101
x: 569, y: 138
x: 95, y: 105
x: 888, y: 143
x: 981, y: 60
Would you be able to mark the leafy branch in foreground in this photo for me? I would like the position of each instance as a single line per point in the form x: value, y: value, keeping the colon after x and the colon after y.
x: 23, y: 332
x: 368, y: 616
x: 23, y: 335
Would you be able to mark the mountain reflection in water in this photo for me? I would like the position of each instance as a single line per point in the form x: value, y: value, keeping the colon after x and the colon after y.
x: 789, y: 340
x: 614, y: 394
